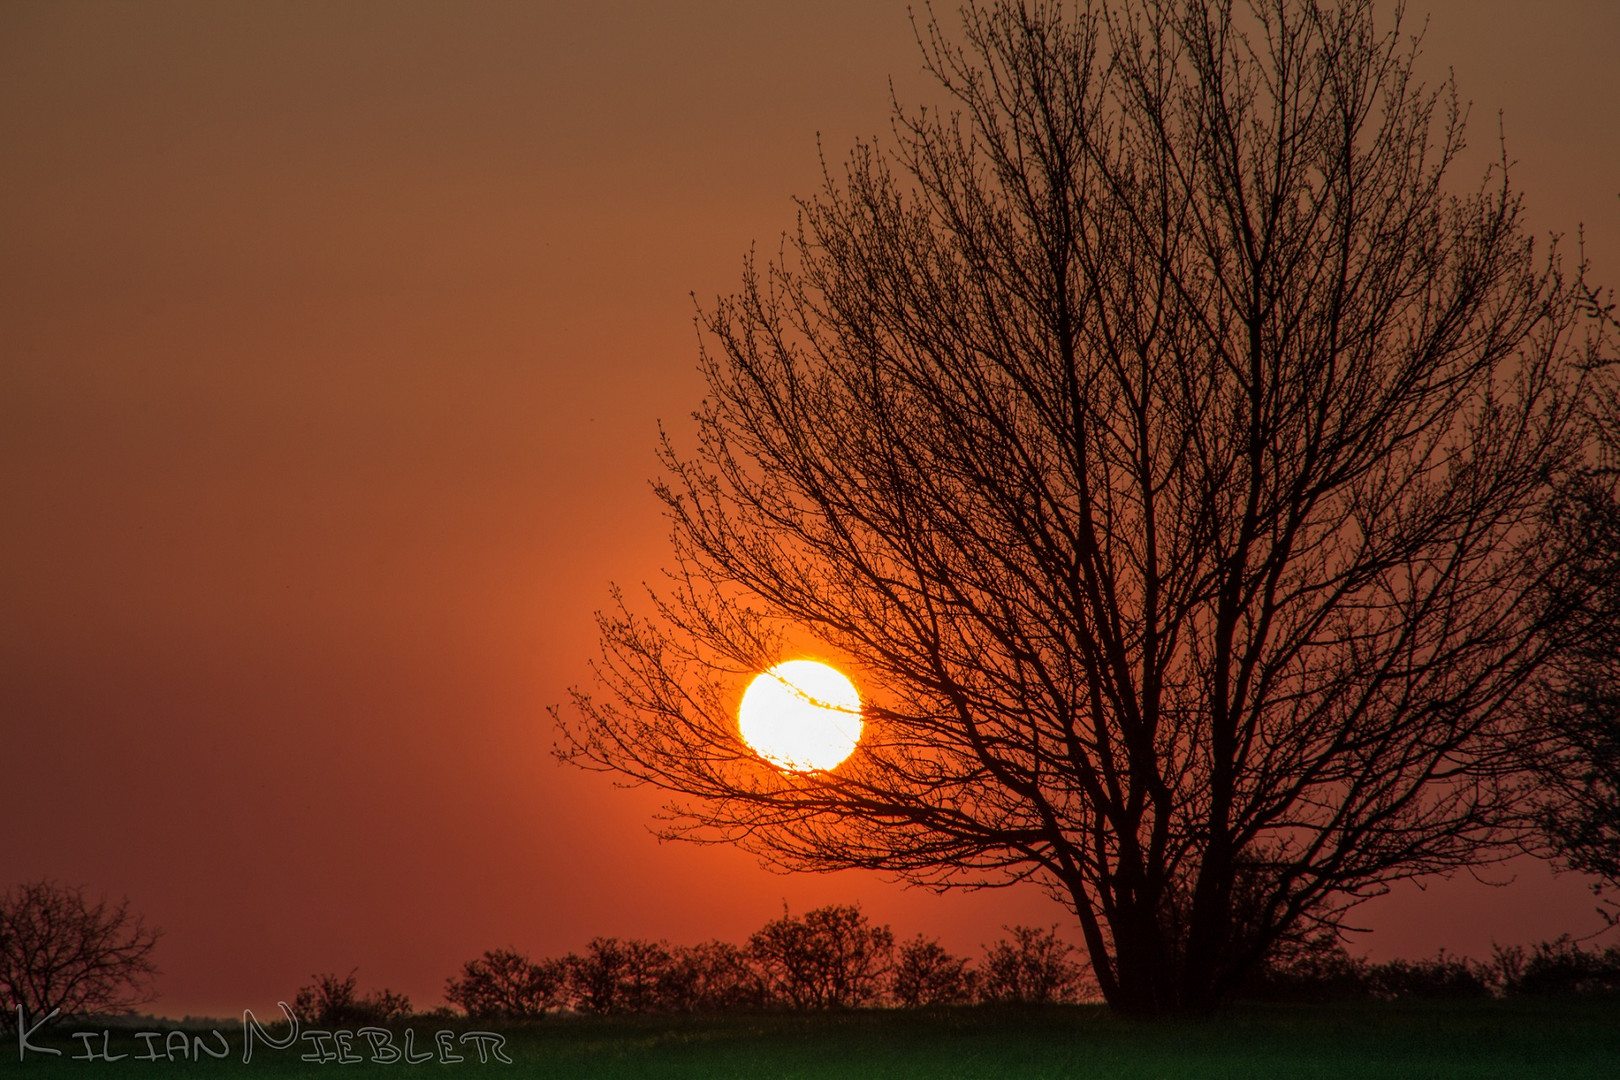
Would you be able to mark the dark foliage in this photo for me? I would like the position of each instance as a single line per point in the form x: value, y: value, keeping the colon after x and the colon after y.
x: 619, y: 976
x: 505, y: 985
x: 1031, y: 967
x: 332, y: 1001
x: 832, y: 957
x: 714, y: 976
x: 926, y: 974
x: 1165, y: 437
x: 1563, y: 967
x: 1580, y: 763
x: 1321, y: 970
x: 61, y: 950
x: 1442, y: 977
x: 1315, y: 969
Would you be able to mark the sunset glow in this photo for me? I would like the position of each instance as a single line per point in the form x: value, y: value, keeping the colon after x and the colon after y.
x: 351, y: 349
x: 801, y: 716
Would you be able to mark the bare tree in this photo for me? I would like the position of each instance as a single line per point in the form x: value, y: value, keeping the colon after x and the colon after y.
x: 1160, y: 440
x: 60, y: 951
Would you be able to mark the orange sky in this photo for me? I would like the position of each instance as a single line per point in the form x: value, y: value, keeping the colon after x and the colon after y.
x: 333, y: 341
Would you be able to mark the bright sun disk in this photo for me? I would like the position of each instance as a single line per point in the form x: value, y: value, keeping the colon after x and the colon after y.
x: 801, y: 715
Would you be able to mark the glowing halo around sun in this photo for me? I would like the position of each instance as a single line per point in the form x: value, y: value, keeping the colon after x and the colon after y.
x: 801, y: 715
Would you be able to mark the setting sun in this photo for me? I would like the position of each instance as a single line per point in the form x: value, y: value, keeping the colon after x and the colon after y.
x: 801, y: 715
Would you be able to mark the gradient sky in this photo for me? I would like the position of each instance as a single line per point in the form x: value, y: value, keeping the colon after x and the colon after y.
x: 334, y: 339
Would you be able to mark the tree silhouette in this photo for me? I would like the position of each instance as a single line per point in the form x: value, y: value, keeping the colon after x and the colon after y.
x: 61, y: 951
x: 1580, y: 765
x: 832, y: 957
x: 616, y: 976
x: 503, y: 984
x: 926, y: 974
x: 714, y: 976
x: 334, y: 1001
x: 1162, y: 445
x: 1030, y: 967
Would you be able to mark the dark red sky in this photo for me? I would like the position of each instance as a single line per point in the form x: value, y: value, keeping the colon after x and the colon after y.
x: 333, y: 340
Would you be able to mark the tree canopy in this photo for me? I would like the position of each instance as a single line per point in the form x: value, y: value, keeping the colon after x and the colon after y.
x: 1160, y: 437
x: 62, y: 952
x: 1579, y: 765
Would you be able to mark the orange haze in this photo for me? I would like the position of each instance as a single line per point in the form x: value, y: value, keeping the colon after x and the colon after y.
x: 335, y: 338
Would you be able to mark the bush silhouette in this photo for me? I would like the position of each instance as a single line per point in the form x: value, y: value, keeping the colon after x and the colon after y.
x: 926, y: 974
x: 333, y: 1002
x: 505, y: 985
x: 832, y: 957
x: 1442, y: 977
x: 617, y: 976
x: 1563, y: 967
x: 714, y: 976
x: 1031, y: 967
x: 1317, y: 969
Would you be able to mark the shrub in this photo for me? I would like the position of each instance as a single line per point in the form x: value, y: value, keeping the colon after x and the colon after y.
x: 925, y: 974
x: 618, y: 976
x: 1314, y: 969
x: 1319, y: 969
x: 1032, y: 966
x: 712, y: 977
x: 1442, y: 977
x: 1563, y: 967
x: 831, y: 957
x: 505, y: 985
x: 331, y: 1002
x: 1322, y: 970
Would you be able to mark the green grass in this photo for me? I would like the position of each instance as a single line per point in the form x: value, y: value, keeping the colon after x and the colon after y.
x: 1515, y: 1039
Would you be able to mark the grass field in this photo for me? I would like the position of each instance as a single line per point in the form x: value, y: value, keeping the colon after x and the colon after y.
x: 1563, y: 1039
